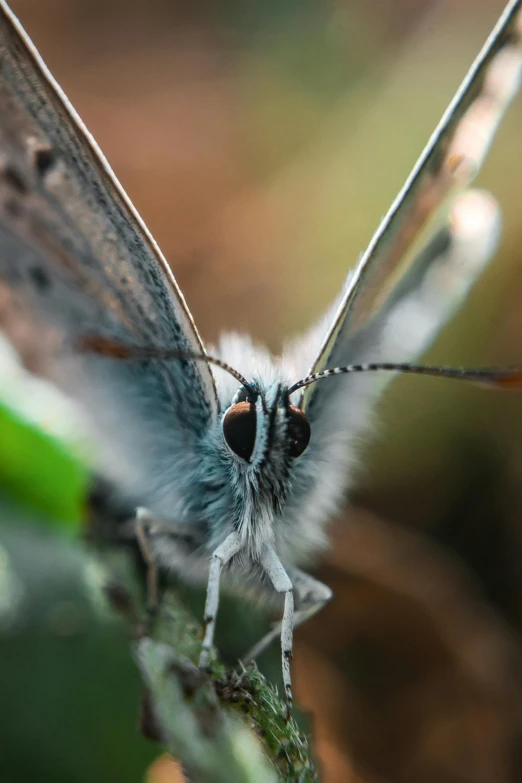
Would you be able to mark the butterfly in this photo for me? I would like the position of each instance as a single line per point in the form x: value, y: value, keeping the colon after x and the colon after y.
x: 238, y: 458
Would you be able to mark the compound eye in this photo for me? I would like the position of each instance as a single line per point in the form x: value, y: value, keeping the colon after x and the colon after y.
x: 298, y: 431
x: 239, y: 429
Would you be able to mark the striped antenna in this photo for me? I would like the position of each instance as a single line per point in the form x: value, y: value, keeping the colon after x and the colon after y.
x: 501, y: 378
x: 112, y: 349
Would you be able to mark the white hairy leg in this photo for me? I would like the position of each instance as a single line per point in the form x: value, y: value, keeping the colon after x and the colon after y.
x: 281, y: 581
x: 145, y: 527
x: 220, y: 557
x: 310, y: 597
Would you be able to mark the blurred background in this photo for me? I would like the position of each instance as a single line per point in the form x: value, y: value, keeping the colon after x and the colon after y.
x: 262, y: 142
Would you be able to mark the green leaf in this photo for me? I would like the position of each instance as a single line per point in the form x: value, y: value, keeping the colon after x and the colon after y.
x: 39, y: 472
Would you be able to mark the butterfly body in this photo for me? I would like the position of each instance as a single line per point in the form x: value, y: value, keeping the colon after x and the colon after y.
x: 250, y: 495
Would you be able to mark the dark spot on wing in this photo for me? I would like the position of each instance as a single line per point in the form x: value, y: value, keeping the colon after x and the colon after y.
x: 13, y: 208
x: 215, y: 487
x: 44, y: 159
x: 14, y: 179
x: 40, y: 278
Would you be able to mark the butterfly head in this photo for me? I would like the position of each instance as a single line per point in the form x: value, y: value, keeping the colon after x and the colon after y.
x: 262, y: 436
x: 260, y: 421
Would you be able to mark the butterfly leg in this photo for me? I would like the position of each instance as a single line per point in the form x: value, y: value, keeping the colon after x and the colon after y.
x: 144, y: 520
x: 311, y: 596
x: 220, y: 557
x: 282, y: 583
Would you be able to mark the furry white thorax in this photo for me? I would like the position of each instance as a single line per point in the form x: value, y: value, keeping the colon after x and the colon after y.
x: 284, y: 503
x: 260, y: 485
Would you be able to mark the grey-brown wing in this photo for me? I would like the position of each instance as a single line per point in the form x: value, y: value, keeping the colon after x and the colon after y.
x: 74, y: 249
x: 451, y: 159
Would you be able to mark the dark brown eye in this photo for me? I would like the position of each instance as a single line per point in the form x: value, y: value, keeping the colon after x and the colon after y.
x: 239, y: 429
x: 298, y: 431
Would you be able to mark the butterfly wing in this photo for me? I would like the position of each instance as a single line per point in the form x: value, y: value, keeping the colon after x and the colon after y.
x: 75, y: 253
x: 396, y: 300
x: 451, y: 159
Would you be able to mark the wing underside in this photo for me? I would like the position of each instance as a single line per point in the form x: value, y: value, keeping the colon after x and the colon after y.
x: 75, y: 251
x: 448, y: 165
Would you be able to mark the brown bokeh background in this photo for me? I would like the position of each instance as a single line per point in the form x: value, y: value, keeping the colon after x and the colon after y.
x: 262, y: 142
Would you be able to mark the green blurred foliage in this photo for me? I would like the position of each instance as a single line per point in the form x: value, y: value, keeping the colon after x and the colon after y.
x: 70, y: 690
x: 40, y: 473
